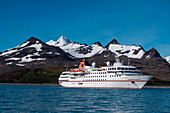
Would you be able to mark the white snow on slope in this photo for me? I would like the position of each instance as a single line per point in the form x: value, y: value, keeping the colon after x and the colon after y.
x: 29, y: 59
x: 9, y: 52
x: 124, y: 48
x: 72, y: 49
x: 62, y: 41
x: 167, y: 59
x: 12, y: 59
x: 24, y: 44
x: 37, y: 46
x: 9, y: 63
x: 51, y: 42
x: 20, y: 64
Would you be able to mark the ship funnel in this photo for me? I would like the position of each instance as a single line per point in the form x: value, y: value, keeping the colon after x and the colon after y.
x: 108, y: 63
x: 93, y: 64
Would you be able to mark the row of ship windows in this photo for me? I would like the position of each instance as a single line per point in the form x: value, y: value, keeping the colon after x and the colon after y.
x: 121, y: 68
x: 111, y: 68
x: 97, y: 83
x: 64, y: 77
x: 99, y: 73
x: 102, y: 76
x: 94, y: 76
x: 123, y: 71
x: 115, y: 75
x: 96, y: 80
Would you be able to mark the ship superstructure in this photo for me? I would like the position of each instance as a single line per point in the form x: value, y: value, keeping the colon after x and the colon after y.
x: 109, y: 76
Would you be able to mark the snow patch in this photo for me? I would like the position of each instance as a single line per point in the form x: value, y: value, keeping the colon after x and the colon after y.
x: 29, y: 59
x: 57, y: 53
x: 24, y: 44
x: 148, y: 56
x: 51, y: 42
x: 9, y: 63
x: 8, y: 52
x: 49, y: 52
x: 37, y: 46
x: 167, y: 59
x: 20, y: 65
x: 12, y: 59
x: 101, y: 51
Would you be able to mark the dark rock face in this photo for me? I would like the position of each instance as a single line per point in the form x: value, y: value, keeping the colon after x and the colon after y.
x: 98, y: 43
x: 119, y: 51
x: 136, y: 51
x: 114, y: 41
x: 84, y: 50
x: 152, y: 53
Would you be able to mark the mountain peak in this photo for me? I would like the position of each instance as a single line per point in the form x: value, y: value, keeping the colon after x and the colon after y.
x: 114, y: 41
x: 142, y: 48
x: 51, y: 42
x: 151, y: 53
x: 32, y: 38
x: 62, y: 41
x: 98, y: 43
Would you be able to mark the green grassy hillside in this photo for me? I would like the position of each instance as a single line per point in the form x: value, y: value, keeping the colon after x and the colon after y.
x: 37, y: 75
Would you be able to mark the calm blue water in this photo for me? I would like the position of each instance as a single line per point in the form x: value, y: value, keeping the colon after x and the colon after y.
x: 22, y: 98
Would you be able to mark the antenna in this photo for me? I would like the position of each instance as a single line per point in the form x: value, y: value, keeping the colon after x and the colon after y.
x: 117, y: 59
x: 122, y: 61
x: 66, y: 67
x: 128, y: 62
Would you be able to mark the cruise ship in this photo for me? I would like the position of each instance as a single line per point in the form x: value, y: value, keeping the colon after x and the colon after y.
x: 115, y: 75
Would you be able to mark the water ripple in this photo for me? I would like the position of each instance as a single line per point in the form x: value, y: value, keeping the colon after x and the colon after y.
x: 58, y: 99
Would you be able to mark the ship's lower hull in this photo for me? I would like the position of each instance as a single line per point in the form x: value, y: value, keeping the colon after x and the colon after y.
x: 104, y: 84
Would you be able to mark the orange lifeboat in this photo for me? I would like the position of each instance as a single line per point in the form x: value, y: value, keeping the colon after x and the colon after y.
x: 76, y: 71
x: 100, y: 70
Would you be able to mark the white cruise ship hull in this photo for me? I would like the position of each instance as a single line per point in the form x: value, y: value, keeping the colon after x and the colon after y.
x: 126, y: 82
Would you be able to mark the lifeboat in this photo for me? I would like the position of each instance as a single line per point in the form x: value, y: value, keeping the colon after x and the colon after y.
x: 100, y: 70
x: 76, y: 71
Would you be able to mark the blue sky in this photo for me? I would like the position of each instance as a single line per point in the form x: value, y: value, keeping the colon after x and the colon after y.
x: 140, y: 22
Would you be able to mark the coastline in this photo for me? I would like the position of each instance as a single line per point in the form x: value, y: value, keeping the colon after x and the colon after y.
x: 48, y: 84
x: 30, y: 84
x: 156, y: 87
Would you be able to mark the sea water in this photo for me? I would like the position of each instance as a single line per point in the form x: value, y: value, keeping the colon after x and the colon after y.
x: 32, y: 98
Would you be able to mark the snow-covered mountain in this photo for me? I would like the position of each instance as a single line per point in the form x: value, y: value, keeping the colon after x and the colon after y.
x: 60, y: 42
x: 33, y: 50
x: 167, y: 59
x: 151, y: 53
x: 129, y: 51
x: 84, y: 51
